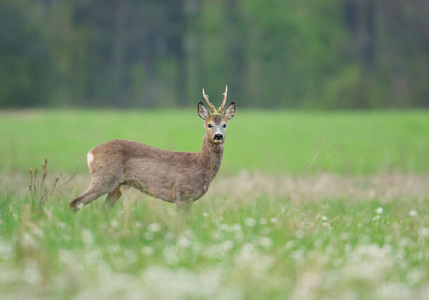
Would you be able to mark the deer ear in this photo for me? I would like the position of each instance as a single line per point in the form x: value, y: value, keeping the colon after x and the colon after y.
x: 202, y: 111
x: 230, y: 111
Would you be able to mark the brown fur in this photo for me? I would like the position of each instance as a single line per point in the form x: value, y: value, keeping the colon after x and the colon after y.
x: 179, y: 177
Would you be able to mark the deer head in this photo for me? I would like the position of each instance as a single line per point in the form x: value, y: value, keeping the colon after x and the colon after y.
x: 216, y: 121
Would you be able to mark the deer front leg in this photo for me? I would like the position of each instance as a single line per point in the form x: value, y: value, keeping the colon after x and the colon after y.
x: 183, y: 205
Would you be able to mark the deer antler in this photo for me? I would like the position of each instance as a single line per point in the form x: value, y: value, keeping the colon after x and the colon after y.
x: 224, y: 99
x: 211, y: 107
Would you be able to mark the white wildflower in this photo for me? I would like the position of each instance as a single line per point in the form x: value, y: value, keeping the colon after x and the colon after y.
x: 236, y: 227
x: 423, y: 232
x: 217, y: 235
x: 169, y: 236
x: 28, y: 241
x: 265, y: 242
x: 37, y: 231
x: 227, y: 245
x: 307, y: 285
x: 250, y: 222
x: 412, y: 213
x: 6, y: 250
x: 369, y: 262
x: 61, y: 224
x: 348, y: 248
x: 114, y: 223
x: 327, y: 225
x: 92, y: 257
x: 223, y: 226
x: 299, y: 234
x: 170, y: 255
x: 114, y: 249
x: 31, y: 272
x: 290, y: 244
x: 344, y: 236
x: 166, y: 283
x: 218, y: 219
x: 394, y: 290
x: 298, y: 256
x: 183, y: 242
x: 148, y: 251
x: 154, y: 227
x: 252, y: 261
x: 324, y: 218
x: 379, y: 210
x: 248, y: 247
x: 87, y: 237
x: 130, y: 255
x: 415, y: 276
x: 189, y: 234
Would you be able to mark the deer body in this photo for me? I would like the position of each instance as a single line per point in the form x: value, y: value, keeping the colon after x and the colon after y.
x: 179, y: 177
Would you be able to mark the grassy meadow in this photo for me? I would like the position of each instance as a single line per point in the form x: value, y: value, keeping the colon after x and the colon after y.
x: 307, y: 205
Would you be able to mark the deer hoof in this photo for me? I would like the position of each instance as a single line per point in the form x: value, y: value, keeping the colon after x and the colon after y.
x: 76, y: 205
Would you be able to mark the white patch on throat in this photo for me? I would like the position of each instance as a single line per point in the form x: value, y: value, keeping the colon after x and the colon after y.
x: 90, y: 158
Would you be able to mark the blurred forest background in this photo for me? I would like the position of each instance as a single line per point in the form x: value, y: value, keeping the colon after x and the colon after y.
x: 327, y: 54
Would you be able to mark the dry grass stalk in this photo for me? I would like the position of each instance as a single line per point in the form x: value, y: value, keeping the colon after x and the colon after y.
x: 39, y: 190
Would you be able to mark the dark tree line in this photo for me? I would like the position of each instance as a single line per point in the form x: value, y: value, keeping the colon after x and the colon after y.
x: 156, y: 53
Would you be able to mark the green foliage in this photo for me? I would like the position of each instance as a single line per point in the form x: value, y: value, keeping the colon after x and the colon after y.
x: 314, y: 54
x: 25, y: 66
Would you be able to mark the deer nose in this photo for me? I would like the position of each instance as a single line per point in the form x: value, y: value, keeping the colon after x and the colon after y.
x: 218, y: 137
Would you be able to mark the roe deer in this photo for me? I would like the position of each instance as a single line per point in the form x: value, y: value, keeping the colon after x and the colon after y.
x: 180, y: 177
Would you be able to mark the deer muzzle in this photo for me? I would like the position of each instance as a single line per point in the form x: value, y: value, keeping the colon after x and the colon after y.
x: 218, y: 137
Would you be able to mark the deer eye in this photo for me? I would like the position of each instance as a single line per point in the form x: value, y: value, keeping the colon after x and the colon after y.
x: 209, y: 126
x: 224, y: 126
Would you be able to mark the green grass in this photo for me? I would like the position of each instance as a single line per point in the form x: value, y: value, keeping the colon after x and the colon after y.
x: 273, y: 225
x: 228, y: 248
x: 281, y: 142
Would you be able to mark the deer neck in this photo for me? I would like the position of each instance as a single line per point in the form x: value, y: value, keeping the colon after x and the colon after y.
x: 210, y: 158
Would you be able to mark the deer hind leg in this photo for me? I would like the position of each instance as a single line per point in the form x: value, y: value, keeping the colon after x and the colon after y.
x: 84, y: 198
x: 95, y: 190
x: 113, y: 197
